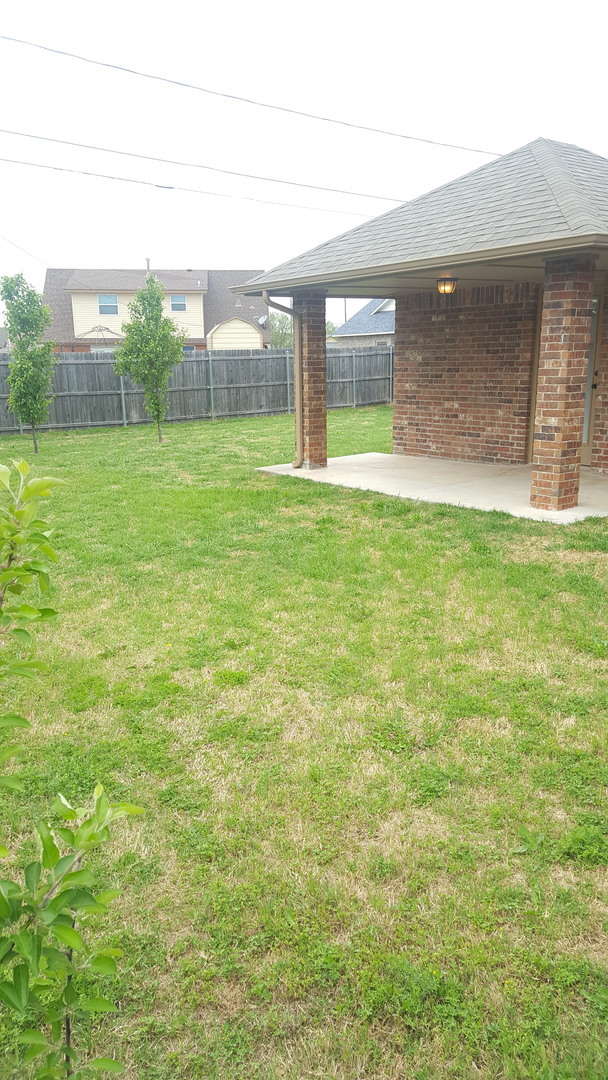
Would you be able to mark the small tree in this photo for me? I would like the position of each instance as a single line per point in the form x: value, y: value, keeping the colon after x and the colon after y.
x: 31, y: 362
x: 153, y: 346
x: 330, y: 328
x: 281, y: 330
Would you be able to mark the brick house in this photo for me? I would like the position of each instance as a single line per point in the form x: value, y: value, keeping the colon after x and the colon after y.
x: 501, y: 320
x: 89, y: 308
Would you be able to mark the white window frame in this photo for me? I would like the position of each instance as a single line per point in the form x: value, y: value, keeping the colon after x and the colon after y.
x: 106, y: 297
x: 178, y: 301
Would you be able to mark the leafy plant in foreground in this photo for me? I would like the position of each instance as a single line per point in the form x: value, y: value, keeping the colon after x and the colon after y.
x: 25, y: 550
x: 44, y: 952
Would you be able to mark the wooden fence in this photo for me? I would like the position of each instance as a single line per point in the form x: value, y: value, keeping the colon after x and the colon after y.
x: 88, y: 392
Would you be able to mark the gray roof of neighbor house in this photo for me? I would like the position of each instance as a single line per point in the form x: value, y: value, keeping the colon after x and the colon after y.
x: 542, y: 193
x: 130, y: 280
x: 219, y: 302
x: 369, y: 320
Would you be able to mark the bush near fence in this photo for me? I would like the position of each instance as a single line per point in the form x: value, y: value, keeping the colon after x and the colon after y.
x: 88, y: 392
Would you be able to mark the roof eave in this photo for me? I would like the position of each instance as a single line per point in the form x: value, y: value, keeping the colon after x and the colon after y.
x: 545, y: 247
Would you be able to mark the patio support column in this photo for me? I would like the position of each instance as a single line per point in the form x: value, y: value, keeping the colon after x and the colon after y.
x: 562, y: 369
x: 311, y: 307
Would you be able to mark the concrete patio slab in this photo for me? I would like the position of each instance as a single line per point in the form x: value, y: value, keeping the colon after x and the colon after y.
x: 459, y: 483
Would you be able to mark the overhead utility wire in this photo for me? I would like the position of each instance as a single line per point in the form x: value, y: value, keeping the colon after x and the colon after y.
x: 176, y: 187
x: 195, y: 165
x: 247, y: 101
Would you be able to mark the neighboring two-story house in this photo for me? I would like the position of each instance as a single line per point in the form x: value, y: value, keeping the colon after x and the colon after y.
x: 89, y: 308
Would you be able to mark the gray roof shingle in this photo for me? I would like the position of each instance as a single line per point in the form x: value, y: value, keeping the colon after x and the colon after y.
x: 130, y: 280
x: 368, y: 320
x: 546, y: 190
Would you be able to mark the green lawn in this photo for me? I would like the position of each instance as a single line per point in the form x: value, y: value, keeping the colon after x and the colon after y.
x: 370, y: 737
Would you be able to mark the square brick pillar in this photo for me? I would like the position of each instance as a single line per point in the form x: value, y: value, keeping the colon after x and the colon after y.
x: 311, y: 307
x: 562, y: 370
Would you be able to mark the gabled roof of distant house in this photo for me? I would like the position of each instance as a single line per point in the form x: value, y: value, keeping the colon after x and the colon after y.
x: 537, y: 198
x: 368, y: 320
x: 131, y: 280
x: 221, y: 304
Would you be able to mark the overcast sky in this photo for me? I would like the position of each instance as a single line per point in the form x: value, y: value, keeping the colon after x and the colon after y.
x: 482, y: 75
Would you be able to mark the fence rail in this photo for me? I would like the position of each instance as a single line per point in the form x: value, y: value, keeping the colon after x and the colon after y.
x: 87, y: 392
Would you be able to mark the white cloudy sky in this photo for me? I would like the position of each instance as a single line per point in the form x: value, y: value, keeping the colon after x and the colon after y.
x: 491, y: 76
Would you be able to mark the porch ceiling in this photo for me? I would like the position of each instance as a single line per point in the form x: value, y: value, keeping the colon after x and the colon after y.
x: 458, y: 483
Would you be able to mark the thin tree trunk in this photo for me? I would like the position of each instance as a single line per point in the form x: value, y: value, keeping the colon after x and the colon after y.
x: 160, y: 434
x: 35, y: 439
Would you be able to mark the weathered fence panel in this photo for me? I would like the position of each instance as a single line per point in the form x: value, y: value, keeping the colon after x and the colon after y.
x: 88, y: 392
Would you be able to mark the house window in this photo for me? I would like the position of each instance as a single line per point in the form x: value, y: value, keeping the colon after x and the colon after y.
x: 178, y: 302
x: 188, y: 348
x: 108, y: 303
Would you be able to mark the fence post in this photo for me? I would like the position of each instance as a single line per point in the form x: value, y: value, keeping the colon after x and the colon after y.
x: 122, y: 402
x: 20, y: 428
x: 354, y: 383
x: 391, y: 354
x: 211, y: 402
x: 287, y: 373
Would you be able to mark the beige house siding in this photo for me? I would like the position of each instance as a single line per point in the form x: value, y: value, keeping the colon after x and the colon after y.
x: 235, y: 334
x: 85, y: 310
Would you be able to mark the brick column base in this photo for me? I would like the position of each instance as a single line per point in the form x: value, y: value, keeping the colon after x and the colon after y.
x: 562, y: 370
x: 311, y: 307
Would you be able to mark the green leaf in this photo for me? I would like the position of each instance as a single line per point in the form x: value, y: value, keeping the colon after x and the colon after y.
x: 106, y: 1065
x: 10, y: 997
x: 123, y: 808
x: 50, y: 851
x: 39, y: 488
x: 64, y: 808
x: 107, y: 896
x: 26, y: 611
x: 21, y: 981
x: 5, y: 477
x: 11, y: 782
x: 33, y: 1052
x: 11, y: 720
x: 3, y: 851
x: 68, y: 936
x: 65, y: 834
x: 22, y: 467
x: 79, y: 877
x: 32, y: 874
x: 105, y: 964
x: 22, y: 635
x: 30, y: 1037
x: 9, y: 752
x: 97, y: 1004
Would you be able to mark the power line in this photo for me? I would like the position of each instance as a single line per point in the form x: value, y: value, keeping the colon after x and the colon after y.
x: 30, y: 254
x: 247, y: 101
x: 175, y: 187
x: 194, y: 165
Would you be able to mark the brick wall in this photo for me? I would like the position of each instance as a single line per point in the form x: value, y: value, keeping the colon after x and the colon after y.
x: 311, y: 306
x: 463, y: 366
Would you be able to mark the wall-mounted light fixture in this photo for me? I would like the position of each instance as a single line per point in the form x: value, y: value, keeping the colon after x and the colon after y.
x: 446, y: 285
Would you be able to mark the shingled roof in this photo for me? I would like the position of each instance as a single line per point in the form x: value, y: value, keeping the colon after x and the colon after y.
x: 368, y: 320
x: 131, y: 280
x: 541, y: 194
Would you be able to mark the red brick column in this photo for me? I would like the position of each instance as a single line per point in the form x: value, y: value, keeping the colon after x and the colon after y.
x: 311, y: 307
x: 562, y: 369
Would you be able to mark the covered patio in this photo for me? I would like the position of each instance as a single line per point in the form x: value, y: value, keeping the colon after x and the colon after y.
x: 501, y: 337
x: 460, y: 483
